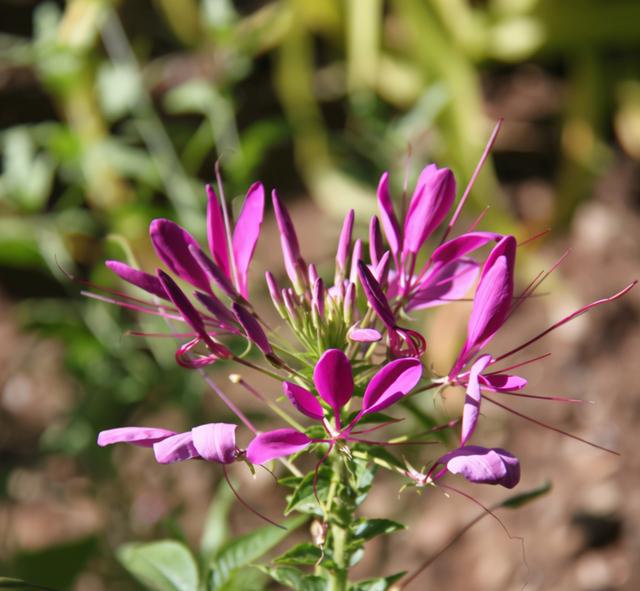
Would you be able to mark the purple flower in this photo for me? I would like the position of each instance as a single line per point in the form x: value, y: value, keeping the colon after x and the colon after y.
x: 214, y: 442
x: 480, y: 465
x: 333, y: 379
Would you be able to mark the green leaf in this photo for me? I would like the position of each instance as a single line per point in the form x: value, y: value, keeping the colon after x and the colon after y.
x: 248, y: 578
x: 380, y: 584
x: 367, y: 529
x: 305, y: 553
x: 295, y: 579
x: 9, y: 583
x: 161, y: 566
x: 216, y: 527
x: 379, y: 455
x: 246, y: 549
x: 303, y: 498
x: 526, y: 497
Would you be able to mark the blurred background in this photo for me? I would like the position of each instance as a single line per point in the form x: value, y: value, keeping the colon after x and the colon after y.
x: 114, y: 112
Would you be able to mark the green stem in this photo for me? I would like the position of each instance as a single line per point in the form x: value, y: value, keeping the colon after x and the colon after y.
x: 339, y: 578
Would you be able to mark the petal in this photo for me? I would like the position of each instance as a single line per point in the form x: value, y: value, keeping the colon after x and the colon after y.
x: 213, y: 271
x: 376, y: 247
x: 145, y: 281
x: 171, y: 243
x: 482, y: 465
x: 450, y: 283
x: 216, y: 442
x: 142, y: 436
x: 431, y: 201
x: 252, y: 328
x: 471, y: 410
x: 333, y: 378
x: 217, y: 232
x: 303, y: 400
x: 392, y: 382
x: 344, y: 242
x: 387, y: 215
x: 462, y: 245
x: 375, y: 296
x: 285, y: 225
x: 219, y: 311
x: 364, y: 335
x: 176, y: 448
x: 181, y: 301
x: 356, y: 259
x: 276, y: 444
x: 503, y: 382
x: 247, y: 232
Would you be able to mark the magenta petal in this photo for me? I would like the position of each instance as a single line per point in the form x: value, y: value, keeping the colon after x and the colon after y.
x: 450, y: 283
x: 219, y: 311
x: 376, y: 247
x: 432, y: 199
x: 303, y: 400
x: 333, y: 378
x: 213, y: 271
x: 247, y: 232
x: 216, y: 442
x: 252, y: 328
x: 502, y: 382
x: 344, y: 242
x: 387, y: 215
x: 471, y: 410
x: 462, y: 245
x: 181, y: 301
x: 175, y: 449
x: 276, y: 444
x: 171, y: 243
x: 145, y: 281
x: 363, y: 335
x: 484, y: 466
x: 393, y: 381
x: 216, y: 232
x: 142, y: 436
x: 375, y: 296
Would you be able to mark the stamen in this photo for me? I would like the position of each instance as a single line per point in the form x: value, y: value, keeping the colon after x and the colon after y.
x: 534, y: 237
x: 541, y: 424
x: 474, y: 176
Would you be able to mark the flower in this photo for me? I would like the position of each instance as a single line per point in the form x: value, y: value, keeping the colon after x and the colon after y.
x: 214, y: 442
x: 333, y: 379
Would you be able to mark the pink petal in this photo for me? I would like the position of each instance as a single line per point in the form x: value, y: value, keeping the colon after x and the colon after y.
x: 213, y: 271
x: 462, y: 245
x: 364, y: 335
x: 450, y: 283
x: 142, y: 436
x: 219, y: 311
x: 333, y: 378
x: 216, y: 442
x: 482, y: 465
x: 503, y: 382
x: 216, y: 232
x: 171, y: 243
x: 176, y: 448
x: 303, y: 400
x: 344, y: 242
x: 181, y: 301
x: 393, y: 381
x: 375, y: 296
x: 387, y: 215
x: 376, y: 247
x: 432, y: 199
x: 252, y: 328
x: 276, y: 444
x: 247, y: 232
x: 471, y: 410
x: 140, y: 279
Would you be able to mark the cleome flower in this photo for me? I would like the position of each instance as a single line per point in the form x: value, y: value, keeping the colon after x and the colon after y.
x: 333, y: 379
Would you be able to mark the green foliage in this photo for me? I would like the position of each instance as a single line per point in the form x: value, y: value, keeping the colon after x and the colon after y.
x: 380, y: 584
x: 519, y: 500
x: 161, y: 566
x: 366, y: 529
x: 295, y: 579
x: 244, y: 550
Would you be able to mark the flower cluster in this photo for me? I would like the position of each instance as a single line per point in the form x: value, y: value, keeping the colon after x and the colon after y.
x: 351, y: 338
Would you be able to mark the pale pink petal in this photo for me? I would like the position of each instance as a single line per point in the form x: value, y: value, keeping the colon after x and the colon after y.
x: 176, y: 448
x: 484, y: 466
x: 471, y: 410
x: 142, y: 436
x: 216, y: 442
x: 450, y: 283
